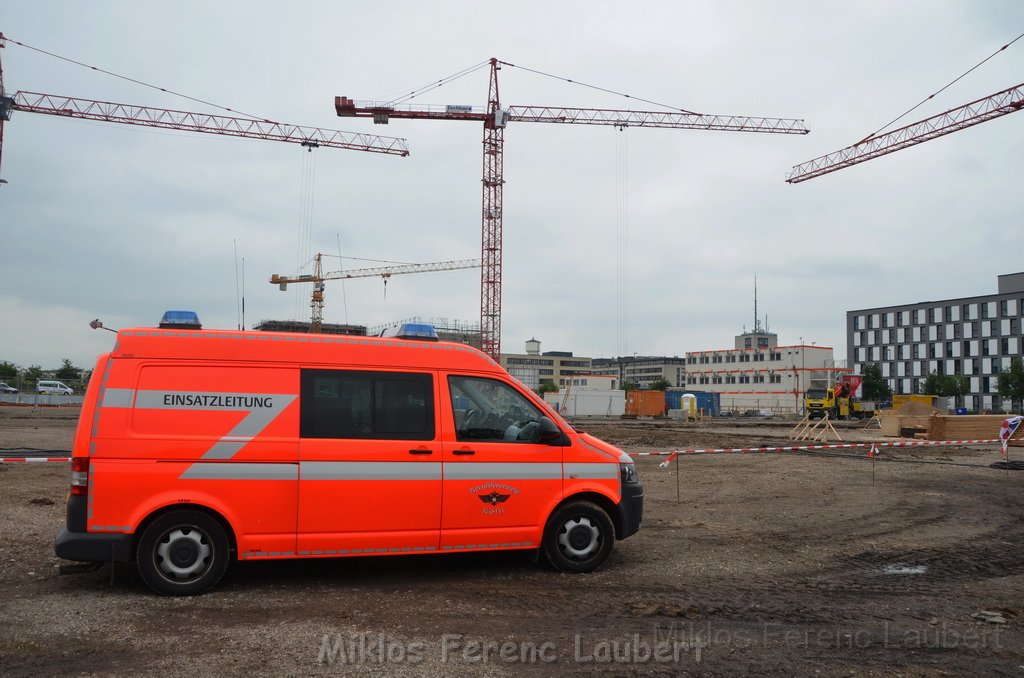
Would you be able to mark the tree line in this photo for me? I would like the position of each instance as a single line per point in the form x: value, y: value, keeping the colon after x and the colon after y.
x: 26, y: 378
x: 1010, y: 384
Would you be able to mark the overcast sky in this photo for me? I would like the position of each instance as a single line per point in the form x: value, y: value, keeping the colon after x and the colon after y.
x: 100, y: 220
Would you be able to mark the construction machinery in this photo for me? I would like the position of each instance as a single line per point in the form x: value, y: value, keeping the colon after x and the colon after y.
x: 319, y: 278
x: 840, y: 401
x: 495, y: 117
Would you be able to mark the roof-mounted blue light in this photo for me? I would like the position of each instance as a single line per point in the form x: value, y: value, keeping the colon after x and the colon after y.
x: 415, y: 331
x: 180, y: 320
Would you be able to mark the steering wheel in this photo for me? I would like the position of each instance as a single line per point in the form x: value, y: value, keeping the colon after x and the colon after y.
x: 471, y: 419
x: 524, y: 429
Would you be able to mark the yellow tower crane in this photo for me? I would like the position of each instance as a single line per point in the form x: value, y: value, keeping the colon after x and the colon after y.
x: 319, y: 278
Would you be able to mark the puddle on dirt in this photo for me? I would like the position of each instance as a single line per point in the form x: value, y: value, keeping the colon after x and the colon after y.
x: 904, y: 569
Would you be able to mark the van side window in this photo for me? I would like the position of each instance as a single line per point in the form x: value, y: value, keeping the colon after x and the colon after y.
x: 369, y: 405
x: 490, y: 410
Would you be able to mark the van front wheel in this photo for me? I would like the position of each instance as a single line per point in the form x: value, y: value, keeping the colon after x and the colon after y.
x: 579, y: 537
x: 182, y: 553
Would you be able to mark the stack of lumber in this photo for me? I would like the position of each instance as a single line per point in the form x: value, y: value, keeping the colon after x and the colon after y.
x: 911, y: 416
x: 969, y: 427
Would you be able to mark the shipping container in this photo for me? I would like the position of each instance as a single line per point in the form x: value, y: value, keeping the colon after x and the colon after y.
x: 645, y: 403
x: 710, y: 403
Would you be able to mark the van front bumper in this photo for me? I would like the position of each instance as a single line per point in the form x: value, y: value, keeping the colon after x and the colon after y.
x: 93, y: 547
x: 631, y: 509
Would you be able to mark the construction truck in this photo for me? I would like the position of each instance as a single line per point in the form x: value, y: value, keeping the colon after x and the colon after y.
x: 840, y: 401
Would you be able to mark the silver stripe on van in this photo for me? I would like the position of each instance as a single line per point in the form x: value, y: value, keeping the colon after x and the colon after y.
x: 263, y: 408
x: 476, y: 470
x: 240, y: 471
x: 370, y: 470
x: 592, y: 471
x: 118, y: 397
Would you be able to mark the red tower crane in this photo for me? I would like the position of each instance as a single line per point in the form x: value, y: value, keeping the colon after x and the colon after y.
x: 988, y: 108
x: 249, y: 128
x: 494, y: 119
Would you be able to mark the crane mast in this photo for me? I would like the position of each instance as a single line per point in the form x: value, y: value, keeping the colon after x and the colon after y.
x: 494, y: 120
x: 1009, y: 100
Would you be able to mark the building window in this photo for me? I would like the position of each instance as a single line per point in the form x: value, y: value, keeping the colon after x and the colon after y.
x: 775, y: 378
x: 758, y: 378
x: 730, y: 358
x: 744, y: 379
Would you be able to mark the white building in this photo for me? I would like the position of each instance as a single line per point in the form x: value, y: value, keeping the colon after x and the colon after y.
x: 758, y: 374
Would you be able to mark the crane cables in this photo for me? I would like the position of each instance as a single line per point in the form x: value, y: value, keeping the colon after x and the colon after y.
x: 622, y: 241
x: 304, y: 244
x: 600, y: 89
x: 139, y: 82
x: 940, y: 91
x: 436, y: 84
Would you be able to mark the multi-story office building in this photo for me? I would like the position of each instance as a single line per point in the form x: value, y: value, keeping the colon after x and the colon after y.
x: 643, y: 370
x: 973, y: 336
x: 534, y: 368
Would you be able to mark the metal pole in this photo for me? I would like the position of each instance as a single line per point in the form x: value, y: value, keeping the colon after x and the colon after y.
x: 677, y: 479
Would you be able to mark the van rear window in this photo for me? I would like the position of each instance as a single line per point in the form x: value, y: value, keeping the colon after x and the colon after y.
x: 369, y: 405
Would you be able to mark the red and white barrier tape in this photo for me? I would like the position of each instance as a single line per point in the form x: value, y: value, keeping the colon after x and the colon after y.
x: 18, y: 460
x: 800, y: 448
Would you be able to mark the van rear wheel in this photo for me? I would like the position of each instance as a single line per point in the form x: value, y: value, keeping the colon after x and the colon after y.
x: 182, y: 553
x: 579, y: 537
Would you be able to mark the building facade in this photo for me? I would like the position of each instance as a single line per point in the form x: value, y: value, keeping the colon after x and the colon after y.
x: 758, y: 374
x: 534, y: 368
x: 642, y: 370
x: 972, y: 336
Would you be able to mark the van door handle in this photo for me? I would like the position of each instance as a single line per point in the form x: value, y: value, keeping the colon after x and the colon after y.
x: 421, y: 451
x: 463, y: 452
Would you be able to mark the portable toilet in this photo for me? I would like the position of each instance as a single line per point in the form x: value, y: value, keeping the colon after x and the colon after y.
x: 688, y: 404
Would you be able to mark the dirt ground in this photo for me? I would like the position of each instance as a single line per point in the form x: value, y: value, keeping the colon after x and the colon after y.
x: 767, y: 563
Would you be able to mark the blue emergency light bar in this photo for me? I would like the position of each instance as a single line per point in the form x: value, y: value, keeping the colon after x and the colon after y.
x: 415, y: 331
x: 180, y: 320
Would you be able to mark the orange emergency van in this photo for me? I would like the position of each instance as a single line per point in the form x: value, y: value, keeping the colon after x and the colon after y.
x: 199, y: 447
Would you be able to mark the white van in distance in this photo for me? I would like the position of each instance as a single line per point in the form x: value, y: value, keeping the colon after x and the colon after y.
x: 50, y: 387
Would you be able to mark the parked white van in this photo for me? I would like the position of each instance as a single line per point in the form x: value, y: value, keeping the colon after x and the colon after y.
x: 51, y: 387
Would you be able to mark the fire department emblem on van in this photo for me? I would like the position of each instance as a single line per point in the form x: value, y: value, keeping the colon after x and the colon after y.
x: 494, y: 498
x: 493, y: 495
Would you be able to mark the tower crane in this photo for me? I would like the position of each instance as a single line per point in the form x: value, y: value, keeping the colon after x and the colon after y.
x: 976, y: 112
x: 318, y: 279
x: 495, y: 118
x: 248, y: 128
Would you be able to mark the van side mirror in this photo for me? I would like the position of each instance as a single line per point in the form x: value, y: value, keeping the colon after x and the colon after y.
x: 547, y: 432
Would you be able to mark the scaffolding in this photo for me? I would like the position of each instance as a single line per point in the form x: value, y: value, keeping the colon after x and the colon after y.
x: 459, y: 331
x: 303, y: 327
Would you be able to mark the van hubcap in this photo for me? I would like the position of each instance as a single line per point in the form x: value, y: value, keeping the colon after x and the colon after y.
x: 183, y: 553
x: 579, y: 538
